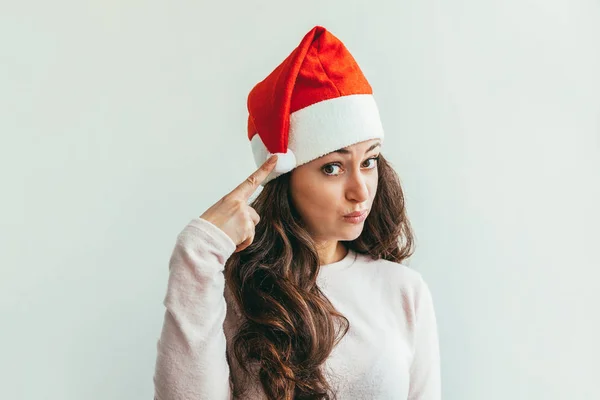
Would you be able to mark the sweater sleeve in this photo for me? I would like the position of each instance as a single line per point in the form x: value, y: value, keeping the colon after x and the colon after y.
x: 191, y: 358
x: 425, y: 380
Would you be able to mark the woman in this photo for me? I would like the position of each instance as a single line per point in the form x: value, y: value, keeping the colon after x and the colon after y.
x: 301, y: 294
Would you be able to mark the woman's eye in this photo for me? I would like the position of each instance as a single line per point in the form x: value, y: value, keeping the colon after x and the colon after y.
x: 328, y: 167
x: 372, y: 159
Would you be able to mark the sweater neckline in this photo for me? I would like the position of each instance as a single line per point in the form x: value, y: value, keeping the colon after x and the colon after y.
x: 344, y: 263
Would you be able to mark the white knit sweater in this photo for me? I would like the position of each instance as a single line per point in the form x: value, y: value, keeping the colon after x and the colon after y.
x: 391, y: 350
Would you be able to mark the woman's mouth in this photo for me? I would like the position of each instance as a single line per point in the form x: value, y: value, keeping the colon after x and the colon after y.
x: 356, y: 217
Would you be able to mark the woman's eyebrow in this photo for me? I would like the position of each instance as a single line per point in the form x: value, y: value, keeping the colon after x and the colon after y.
x: 346, y: 151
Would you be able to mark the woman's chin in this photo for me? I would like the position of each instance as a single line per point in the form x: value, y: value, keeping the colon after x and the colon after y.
x: 352, y: 232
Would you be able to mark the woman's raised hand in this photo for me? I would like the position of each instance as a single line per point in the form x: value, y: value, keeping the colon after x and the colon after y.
x: 233, y: 215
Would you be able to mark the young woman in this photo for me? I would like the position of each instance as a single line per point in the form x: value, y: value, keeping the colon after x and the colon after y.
x: 301, y: 293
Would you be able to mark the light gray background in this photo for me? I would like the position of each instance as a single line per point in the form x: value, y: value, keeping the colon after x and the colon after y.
x: 122, y: 120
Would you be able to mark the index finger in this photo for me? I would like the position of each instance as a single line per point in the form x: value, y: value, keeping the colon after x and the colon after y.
x: 246, y: 188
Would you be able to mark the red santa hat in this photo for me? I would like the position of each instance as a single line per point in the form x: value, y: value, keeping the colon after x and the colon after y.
x: 315, y: 102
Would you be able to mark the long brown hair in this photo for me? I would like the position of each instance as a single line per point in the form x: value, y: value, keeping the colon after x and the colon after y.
x: 289, y: 325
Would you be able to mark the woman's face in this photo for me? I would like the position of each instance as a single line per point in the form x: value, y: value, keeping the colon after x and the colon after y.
x: 339, y: 183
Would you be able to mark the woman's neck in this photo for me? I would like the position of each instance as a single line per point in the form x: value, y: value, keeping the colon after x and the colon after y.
x: 334, y: 252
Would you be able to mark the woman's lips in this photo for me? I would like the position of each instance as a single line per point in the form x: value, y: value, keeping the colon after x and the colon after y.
x: 356, y: 217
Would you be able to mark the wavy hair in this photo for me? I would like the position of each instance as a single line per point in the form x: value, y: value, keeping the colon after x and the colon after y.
x: 289, y: 328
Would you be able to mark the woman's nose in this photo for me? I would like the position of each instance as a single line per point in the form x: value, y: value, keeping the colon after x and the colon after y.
x: 357, y: 189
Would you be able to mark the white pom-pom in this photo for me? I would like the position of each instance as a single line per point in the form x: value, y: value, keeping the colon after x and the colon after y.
x: 285, y: 162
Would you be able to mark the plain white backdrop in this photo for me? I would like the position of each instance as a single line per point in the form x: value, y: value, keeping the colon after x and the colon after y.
x: 121, y: 121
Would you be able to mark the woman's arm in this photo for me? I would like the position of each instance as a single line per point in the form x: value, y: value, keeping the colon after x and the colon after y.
x: 425, y: 380
x: 191, y: 358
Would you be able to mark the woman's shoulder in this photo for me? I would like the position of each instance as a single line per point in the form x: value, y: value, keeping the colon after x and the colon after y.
x: 398, y: 274
x: 401, y: 269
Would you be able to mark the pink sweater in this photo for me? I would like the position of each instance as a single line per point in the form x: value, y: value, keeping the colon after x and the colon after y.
x: 390, y: 352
